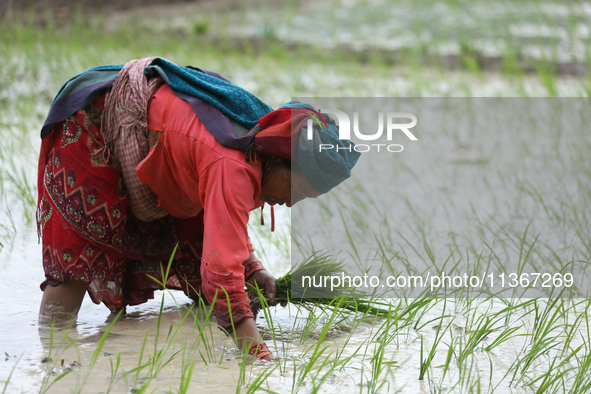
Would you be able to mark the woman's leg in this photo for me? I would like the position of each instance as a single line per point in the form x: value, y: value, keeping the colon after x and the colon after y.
x: 60, y: 304
x: 81, y: 214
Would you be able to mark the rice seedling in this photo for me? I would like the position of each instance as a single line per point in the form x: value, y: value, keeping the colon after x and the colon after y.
x: 7, y: 381
x: 113, y: 376
x: 473, y: 337
x: 55, y: 353
x: 582, y: 380
x: 95, y: 355
x: 318, y: 359
x: 256, y: 384
x: 381, y: 364
x: 427, y: 359
x: 7, y: 232
x: 318, y: 266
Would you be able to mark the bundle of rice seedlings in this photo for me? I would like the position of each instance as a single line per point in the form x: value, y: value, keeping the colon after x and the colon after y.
x: 318, y: 266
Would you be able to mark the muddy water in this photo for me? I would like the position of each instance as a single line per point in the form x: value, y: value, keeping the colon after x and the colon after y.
x: 26, y: 346
x: 219, y: 371
x: 531, y: 29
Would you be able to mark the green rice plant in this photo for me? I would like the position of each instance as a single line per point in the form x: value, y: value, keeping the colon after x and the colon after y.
x: 316, y: 358
x: 64, y: 345
x: 372, y: 349
x: 256, y: 384
x: 319, y: 265
x: 427, y: 359
x: 474, y: 337
x: 555, y: 378
x: 547, y: 73
x: 503, y: 337
x: 317, y: 317
x: 186, y: 377
x: 242, y: 366
x: 7, y: 381
x: 158, y: 358
x: 469, y: 56
x: 7, y: 232
x: 547, y: 320
x: 542, y: 339
x: 114, y: 369
x: 381, y: 368
x: 190, y: 348
x: 202, y: 320
x: 314, y: 369
x: 424, y: 312
x: 23, y: 189
x: 322, y: 375
x: 317, y: 361
x: 582, y: 379
x: 470, y: 379
x: 448, y: 360
x: 95, y: 355
x: 572, y: 331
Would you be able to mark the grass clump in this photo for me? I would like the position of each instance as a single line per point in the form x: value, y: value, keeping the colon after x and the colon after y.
x: 345, y: 298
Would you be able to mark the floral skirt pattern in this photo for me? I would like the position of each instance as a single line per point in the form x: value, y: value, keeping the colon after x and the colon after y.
x: 90, y: 234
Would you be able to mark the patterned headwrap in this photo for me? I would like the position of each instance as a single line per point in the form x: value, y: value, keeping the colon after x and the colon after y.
x: 284, y: 133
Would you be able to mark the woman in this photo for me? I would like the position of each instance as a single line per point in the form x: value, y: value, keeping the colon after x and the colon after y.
x: 136, y: 159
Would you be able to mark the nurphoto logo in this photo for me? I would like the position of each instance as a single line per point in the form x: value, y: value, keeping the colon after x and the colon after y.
x: 392, y: 126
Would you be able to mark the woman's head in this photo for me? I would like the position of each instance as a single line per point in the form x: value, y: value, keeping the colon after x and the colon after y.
x: 284, y: 183
x: 286, y: 133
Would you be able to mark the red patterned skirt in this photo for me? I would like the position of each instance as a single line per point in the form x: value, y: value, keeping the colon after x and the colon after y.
x: 90, y: 234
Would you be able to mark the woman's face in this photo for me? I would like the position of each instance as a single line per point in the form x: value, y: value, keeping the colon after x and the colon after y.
x: 278, y: 184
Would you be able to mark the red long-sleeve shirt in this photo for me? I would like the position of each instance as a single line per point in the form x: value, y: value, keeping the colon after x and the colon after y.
x: 190, y: 171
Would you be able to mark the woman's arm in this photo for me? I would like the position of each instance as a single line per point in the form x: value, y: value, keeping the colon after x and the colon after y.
x: 228, y: 195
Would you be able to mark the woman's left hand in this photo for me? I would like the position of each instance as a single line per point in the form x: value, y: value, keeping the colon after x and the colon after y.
x: 266, y: 281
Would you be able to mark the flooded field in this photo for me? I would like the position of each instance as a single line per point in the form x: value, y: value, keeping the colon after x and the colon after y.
x: 466, y: 195
x: 504, y: 36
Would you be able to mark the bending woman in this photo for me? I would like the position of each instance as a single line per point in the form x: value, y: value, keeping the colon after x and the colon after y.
x: 136, y: 159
